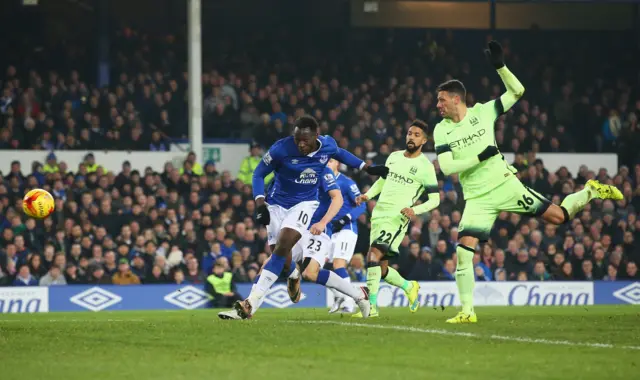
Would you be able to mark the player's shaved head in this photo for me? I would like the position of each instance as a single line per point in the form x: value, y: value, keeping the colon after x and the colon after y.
x: 305, y: 134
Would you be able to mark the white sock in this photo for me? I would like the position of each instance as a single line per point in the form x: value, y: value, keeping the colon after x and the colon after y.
x: 258, y: 291
x: 295, y: 274
x: 258, y: 303
x: 338, y: 283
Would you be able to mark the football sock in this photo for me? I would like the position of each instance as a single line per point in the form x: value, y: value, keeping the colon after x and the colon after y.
x: 575, y: 202
x: 294, y: 273
x: 333, y: 281
x: 373, y: 283
x: 267, y: 278
x: 342, y: 272
x: 465, y: 278
x: 394, y: 278
x: 254, y: 308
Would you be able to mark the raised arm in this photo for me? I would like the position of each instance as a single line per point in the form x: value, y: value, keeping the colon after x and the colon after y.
x: 515, y: 89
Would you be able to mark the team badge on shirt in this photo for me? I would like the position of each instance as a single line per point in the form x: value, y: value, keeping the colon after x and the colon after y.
x: 413, y: 170
x: 324, y: 158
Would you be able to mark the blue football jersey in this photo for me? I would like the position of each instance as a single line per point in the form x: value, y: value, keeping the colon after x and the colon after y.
x: 297, y: 177
x: 350, y: 192
x: 327, y: 184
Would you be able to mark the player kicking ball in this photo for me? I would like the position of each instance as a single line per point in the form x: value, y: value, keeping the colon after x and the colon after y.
x: 465, y: 144
x: 298, y: 162
x: 410, y: 174
x: 312, y: 249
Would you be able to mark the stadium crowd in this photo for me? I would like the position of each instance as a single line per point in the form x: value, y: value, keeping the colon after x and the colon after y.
x: 140, y: 226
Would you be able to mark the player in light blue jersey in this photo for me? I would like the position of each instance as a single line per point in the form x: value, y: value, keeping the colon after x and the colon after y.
x: 312, y: 250
x: 292, y: 199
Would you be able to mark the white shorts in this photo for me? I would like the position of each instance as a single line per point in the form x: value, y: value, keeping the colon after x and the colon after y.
x: 317, y: 247
x: 344, y: 243
x: 297, y: 218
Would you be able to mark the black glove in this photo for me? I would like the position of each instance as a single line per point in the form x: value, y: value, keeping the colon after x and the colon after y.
x: 487, y: 153
x: 494, y: 54
x: 378, y: 170
x: 262, y: 215
x: 339, y: 224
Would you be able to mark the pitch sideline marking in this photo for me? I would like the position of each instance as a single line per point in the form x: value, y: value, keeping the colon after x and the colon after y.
x: 473, y: 335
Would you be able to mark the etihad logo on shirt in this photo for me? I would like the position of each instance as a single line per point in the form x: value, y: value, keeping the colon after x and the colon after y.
x: 307, y: 177
x: 399, y: 178
x: 468, y: 140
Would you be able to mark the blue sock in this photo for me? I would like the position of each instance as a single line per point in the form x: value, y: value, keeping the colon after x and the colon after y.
x: 323, y: 277
x: 255, y: 280
x: 342, y: 272
x: 275, y: 264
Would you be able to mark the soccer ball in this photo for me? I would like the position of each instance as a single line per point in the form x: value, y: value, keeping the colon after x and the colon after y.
x: 38, y: 204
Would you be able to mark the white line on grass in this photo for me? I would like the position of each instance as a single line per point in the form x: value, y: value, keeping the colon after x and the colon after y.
x: 472, y: 335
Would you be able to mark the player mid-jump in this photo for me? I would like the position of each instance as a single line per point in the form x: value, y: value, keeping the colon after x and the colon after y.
x: 465, y: 144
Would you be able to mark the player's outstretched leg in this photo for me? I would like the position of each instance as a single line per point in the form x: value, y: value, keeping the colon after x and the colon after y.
x: 312, y: 272
x: 292, y: 272
x: 593, y: 189
x: 465, y: 280
x: 271, y: 271
x: 339, y: 268
x: 411, y: 288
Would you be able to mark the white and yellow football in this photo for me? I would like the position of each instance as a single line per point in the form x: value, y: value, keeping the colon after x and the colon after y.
x: 38, y: 204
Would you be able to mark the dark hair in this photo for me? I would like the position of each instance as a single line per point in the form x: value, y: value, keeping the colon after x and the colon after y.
x: 306, y: 121
x: 420, y: 124
x: 453, y: 86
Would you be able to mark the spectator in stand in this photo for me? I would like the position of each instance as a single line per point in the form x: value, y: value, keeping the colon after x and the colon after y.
x: 53, y: 277
x: 124, y: 276
x: 24, y: 277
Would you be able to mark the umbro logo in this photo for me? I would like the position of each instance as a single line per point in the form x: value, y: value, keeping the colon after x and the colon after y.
x: 294, y: 161
x: 278, y: 296
x: 629, y: 294
x: 95, y: 299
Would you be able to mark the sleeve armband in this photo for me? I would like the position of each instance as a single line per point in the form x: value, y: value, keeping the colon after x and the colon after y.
x: 443, y: 149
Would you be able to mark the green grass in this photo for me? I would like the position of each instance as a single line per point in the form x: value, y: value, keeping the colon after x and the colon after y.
x: 307, y: 344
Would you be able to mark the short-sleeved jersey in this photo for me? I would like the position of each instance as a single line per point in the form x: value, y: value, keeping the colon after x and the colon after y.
x: 468, y: 138
x: 408, y: 178
x: 297, y: 177
x: 350, y: 192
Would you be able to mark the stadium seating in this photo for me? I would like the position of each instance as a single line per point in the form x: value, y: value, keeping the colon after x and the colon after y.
x: 364, y: 96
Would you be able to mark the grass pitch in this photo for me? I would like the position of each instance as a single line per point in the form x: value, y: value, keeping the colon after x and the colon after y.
x: 592, y: 342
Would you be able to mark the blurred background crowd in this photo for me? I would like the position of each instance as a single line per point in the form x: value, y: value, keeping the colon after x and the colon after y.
x: 142, y: 226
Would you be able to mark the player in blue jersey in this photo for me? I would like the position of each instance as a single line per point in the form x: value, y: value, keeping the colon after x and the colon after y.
x: 337, y: 244
x: 312, y: 250
x: 344, y: 234
x: 292, y: 199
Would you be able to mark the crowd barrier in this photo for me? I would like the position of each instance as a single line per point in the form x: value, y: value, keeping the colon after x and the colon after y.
x: 175, y: 297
